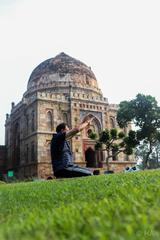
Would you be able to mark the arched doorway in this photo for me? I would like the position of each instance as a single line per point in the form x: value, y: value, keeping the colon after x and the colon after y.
x: 90, y: 158
x: 93, y: 158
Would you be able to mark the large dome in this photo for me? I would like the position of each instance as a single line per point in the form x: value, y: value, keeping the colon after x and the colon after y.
x: 62, y: 68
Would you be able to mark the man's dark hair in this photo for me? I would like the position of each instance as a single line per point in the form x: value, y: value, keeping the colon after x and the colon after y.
x: 60, y: 127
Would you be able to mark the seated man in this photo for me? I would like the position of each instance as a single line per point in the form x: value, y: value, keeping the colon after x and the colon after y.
x: 61, y: 154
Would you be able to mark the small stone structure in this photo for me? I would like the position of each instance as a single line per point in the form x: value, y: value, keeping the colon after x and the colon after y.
x: 60, y: 89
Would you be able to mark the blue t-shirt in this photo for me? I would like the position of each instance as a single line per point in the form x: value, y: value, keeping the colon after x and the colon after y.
x: 60, y: 152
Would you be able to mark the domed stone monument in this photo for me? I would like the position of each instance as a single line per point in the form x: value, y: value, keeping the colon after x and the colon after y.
x: 60, y: 89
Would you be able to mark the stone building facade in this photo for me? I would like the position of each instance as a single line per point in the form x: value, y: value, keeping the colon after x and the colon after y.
x: 3, y: 160
x: 60, y: 89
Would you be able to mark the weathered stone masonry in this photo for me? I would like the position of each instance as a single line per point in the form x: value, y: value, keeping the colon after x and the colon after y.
x: 59, y: 89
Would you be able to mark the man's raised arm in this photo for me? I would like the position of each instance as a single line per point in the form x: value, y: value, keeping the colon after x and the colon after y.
x: 79, y: 128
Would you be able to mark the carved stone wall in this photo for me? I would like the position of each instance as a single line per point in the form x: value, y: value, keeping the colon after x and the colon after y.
x: 60, y: 89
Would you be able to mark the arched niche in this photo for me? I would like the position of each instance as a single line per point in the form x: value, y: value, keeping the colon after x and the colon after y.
x: 95, y: 125
x: 65, y: 117
x: 16, y: 144
x: 49, y: 121
x: 33, y: 120
x: 112, y: 122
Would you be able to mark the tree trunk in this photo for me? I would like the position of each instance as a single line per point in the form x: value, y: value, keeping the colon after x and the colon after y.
x: 146, y: 160
x: 107, y: 160
x: 157, y: 155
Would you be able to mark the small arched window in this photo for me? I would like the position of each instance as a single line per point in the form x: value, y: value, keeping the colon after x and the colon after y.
x: 112, y: 122
x: 17, y: 135
x: 49, y: 121
x: 26, y: 153
x: 32, y: 152
x: 89, y: 132
x: 33, y: 121
x: 65, y: 118
x: 16, y: 140
x: 27, y: 124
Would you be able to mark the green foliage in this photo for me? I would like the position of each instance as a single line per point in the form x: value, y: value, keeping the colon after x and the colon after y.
x: 98, y: 145
x: 121, y: 134
x: 128, y: 150
x: 154, y: 158
x: 145, y: 109
x: 122, y: 144
x: 144, y: 112
x: 115, y: 147
x: 125, y: 113
x: 1, y: 182
x: 131, y: 140
x: 113, y: 133
x: 83, y: 208
x: 115, y: 142
x: 92, y: 135
x: 158, y: 136
x: 105, y: 136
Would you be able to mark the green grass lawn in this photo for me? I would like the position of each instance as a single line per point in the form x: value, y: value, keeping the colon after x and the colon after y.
x: 114, y: 207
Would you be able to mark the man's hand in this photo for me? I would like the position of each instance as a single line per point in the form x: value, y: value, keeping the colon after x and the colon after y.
x: 88, y: 118
x: 79, y: 128
x: 85, y: 124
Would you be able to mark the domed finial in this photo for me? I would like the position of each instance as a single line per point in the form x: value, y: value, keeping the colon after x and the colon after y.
x: 62, y: 54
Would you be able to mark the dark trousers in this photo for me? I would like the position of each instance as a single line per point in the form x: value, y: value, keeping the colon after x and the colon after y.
x: 73, y: 171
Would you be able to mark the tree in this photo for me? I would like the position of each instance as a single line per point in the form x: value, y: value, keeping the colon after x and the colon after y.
x: 114, y: 142
x: 144, y: 112
x: 154, y: 158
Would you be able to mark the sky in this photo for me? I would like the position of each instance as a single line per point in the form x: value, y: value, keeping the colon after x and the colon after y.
x: 118, y: 39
